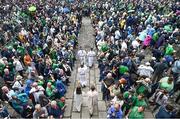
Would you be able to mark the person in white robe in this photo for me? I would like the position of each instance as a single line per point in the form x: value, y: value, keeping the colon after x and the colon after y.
x: 82, y: 70
x: 92, y: 99
x: 78, y: 97
x: 82, y: 55
x: 91, y: 55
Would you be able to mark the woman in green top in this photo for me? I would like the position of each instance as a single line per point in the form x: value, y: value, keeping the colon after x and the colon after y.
x: 50, y: 90
x: 136, y: 113
x: 139, y: 101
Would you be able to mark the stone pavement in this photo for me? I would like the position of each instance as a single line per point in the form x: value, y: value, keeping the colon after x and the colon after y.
x: 87, y: 40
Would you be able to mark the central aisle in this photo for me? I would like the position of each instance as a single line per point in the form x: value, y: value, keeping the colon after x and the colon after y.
x: 86, y: 40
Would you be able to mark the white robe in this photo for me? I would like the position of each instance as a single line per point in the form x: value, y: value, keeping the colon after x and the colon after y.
x: 91, y: 55
x: 92, y: 100
x: 78, y: 99
x: 82, y: 75
x: 82, y: 56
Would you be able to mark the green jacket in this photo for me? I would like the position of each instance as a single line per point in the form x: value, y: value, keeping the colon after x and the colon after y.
x: 49, y: 91
x: 134, y: 114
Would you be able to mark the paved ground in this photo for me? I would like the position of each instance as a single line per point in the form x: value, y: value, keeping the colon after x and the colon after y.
x: 86, y: 40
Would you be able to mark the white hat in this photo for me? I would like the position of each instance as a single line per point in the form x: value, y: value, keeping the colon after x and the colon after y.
x: 19, y: 77
x: 41, y: 77
x: 147, y: 63
x: 153, y: 58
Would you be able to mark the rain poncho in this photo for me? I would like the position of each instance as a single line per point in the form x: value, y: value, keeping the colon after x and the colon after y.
x: 155, y: 37
x: 28, y: 86
x: 142, y: 35
x: 169, y: 50
x: 123, y: 69
x: 147, y: 40
x: 61, y: 88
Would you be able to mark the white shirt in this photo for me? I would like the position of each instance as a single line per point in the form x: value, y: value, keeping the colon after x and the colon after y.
x: 123, y: 46
x: 135, y: 44
x: 37, y: 92
x: 18, y: 65
x: 145, y: 70
x: 117, y: 34
x: 17, y: 84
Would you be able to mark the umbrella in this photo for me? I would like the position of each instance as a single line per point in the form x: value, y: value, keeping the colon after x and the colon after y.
x: 32, y: 9
x: 66, y: 10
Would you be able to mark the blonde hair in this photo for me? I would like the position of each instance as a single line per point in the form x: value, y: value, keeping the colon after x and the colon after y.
x: 37, y: 106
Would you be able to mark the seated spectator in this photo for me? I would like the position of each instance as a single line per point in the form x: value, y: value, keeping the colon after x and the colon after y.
x: 166, y: 83
x: 40, y: 112
x: 128, y: 101
x: 28, y: 87
x: 118, y: 99
x: 18, y: 66
x: 144, y: 86
x: 114, y: 89
x: 3, y: 112
x: 27, y: 59
x: 165, y: 112
x: 18, y: 85
x: 61, y: 104
x: 136, y: 113
x: 44, y: 100
x: 160, y: 98
x: 6, y: 93
x: 61, y: 88
x: 140, y: 101
x: 50, y: 90
x: 20, y: 104
x: 36, y: 91
x: 145, y: 70
x: 115, y: 112
x: 8, y: 78
x: 54, y: 110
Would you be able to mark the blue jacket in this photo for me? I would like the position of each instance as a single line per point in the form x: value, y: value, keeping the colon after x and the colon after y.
x: 60, y: 87
x: 113, y: 114
x: 163, y: 113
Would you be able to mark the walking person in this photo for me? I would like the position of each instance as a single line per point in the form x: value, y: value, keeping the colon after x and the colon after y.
x: 78, y: 98
x: 90, y: 55
x: 92, y: 99
x: 82, y: 55
x: 82, y: 75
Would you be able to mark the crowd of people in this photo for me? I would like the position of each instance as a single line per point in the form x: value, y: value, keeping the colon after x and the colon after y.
x: 138, y: 60
x: 37, y: 55
x: 138, y: 56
